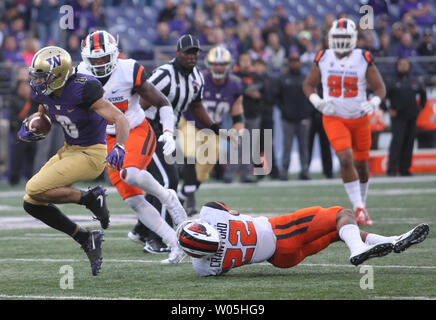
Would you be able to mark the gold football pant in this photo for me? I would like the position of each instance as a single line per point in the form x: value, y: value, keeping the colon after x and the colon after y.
x: 69, y: 165
x: 203, y: 147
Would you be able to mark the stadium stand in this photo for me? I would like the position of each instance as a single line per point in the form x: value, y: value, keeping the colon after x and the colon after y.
x: 136, y: 24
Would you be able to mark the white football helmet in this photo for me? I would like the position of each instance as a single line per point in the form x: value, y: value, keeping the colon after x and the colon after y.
x: 99, y: 44
x: 218, y: 61
x: 342, y: 36
x: 197, y: 238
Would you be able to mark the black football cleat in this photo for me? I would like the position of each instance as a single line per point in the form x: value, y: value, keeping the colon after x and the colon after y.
x: 190, y: 204
x: 155, y: 245
x: 136, y: 237
x: 414, y: 236
x: 373, y: 251
x: 95, y: 200
x: 92, y: 248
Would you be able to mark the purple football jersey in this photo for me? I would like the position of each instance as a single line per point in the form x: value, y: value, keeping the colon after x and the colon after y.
x: 81, y: 125
x: 218, y: 100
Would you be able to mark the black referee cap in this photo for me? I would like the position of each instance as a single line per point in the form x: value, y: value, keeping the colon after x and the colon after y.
x: 187, y: 42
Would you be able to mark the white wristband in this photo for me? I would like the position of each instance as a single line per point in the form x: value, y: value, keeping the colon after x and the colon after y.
x: 315, y: 99
x: 376, y: 101
x: 119, y: 145
x: 166, y: 114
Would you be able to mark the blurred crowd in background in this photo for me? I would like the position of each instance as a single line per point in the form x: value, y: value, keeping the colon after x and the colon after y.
x: 271, y: 33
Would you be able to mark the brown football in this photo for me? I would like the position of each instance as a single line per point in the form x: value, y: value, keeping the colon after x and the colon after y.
x: 39, y: 123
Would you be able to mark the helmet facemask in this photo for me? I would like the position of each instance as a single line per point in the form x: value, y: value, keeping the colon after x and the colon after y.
x: 100, y: 70
x: 218, y: 61
x: 342, y: 43
x: 219, y: 71
x: 49, y: 70
x: 342, y: 36
x: 41, y: 88
x: 197, y: 238
x: 107, y: 48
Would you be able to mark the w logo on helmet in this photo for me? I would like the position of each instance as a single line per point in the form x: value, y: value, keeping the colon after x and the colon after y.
x: 54, y: 61
x: 198, y: 228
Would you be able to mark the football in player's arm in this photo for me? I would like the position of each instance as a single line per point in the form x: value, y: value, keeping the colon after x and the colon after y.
x: 75, y: 102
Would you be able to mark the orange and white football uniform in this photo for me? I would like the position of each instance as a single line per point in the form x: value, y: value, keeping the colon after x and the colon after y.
x: 141, y: 143
x: 344, y: 85
x: 284, y: 241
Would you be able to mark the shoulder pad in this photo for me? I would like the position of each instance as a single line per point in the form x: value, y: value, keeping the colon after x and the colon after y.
x: 368, y: 56
x: 319, y: 55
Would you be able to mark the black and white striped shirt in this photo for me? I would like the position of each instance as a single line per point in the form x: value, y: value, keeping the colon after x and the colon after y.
x: 181, y: 89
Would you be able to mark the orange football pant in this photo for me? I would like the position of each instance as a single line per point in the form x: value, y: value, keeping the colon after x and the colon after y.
x: 303, y: 233
x: 139, y: 149
x: 349, y: 133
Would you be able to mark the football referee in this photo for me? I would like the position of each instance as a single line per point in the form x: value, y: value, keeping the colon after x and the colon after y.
x: 182, y: 83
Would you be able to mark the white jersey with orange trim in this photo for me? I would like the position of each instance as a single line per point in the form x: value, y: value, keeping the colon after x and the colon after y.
x: 119, y: 90
x: 244, y: 240
x: 344, y: 81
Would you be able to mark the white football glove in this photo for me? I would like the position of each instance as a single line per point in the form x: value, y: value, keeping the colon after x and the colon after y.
x: 370, y: 106
x: 323, y: 106
x: 327, y: 108
x: 169, y: 143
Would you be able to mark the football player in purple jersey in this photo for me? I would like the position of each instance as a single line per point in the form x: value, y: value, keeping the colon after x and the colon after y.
x: 222, y: 95
x: 76, y: 102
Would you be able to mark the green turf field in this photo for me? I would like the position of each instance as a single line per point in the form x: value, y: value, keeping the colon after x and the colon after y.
x: 32, y: 259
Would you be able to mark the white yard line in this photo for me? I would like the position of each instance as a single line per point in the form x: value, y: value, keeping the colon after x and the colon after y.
x: 16, y: 223
x: 320, y: 182
x: 378, y: 266
x: 31, y: 238
x: 11, y: 223
x: 402, y: 298
x: 42, y: 297
x: 295, y: 183
x: 331, y: 265
x: 399, y: 192
x: 38, y: 297
x: 79, y: 260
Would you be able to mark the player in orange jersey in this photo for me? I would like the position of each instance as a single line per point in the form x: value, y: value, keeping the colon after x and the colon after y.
x: 223, y: 239
x: 345, y: 73
x: 124, y: 82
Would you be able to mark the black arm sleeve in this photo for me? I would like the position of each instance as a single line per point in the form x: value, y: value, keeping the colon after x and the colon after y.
x: 92, y: 91
x: 139, y: 75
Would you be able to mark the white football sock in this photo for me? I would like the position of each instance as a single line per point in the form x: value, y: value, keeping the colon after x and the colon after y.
x: 142, y: 179
x: 364, y: 191
x: 350, y: 234
x: 189, y: 188
x: 372, y: 238
x: 353, y: 191
x: 151, y: 218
